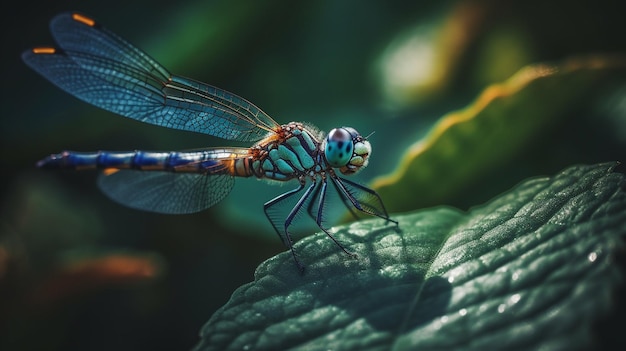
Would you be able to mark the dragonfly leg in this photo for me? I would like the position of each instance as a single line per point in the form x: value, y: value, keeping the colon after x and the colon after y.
x: 290, y: 217
x: 320, y: 216
x: 311, y: 207
x: 284, y: 235
x: 345, y: 201
x: 268, y: 205
x: 363, y: 199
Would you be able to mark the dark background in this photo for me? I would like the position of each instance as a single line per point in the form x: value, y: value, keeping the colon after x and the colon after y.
x: 78, y: 271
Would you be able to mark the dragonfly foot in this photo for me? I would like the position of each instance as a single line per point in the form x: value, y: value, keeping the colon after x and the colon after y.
x: 352, y: 255
x: 298, y: 264
x: 392, y: 221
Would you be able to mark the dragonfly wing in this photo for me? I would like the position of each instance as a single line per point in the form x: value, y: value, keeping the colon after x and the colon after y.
x: 166, y: 192
x: 101, y: 68
x: 124, y: 96
x: 215, y: 111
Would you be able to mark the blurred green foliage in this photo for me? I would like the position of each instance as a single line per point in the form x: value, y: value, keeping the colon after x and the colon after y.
x: 392, y: 68
x: 466, y: 148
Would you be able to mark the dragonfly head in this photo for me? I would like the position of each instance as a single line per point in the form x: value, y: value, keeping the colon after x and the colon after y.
x: 346, y: 149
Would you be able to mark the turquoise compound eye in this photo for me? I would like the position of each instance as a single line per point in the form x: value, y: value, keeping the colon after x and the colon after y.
x: 338, y: 147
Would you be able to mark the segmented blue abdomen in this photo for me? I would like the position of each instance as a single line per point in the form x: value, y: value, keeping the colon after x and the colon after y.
x: 198, y: 162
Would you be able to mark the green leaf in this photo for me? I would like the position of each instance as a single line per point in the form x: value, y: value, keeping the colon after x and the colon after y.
x: 533, y: 268
x: 505, y: 120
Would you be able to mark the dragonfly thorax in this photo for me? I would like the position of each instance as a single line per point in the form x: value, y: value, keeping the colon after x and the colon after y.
x: 346, y: 149
x: 296, y: 151
x: 292, y: 151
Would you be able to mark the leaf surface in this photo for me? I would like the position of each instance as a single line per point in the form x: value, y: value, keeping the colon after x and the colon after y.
x: 533, y: 268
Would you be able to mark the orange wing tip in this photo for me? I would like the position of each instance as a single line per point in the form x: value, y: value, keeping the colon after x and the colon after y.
x: 44, y: 50
x: 109, y: 171
x: 83, y: 19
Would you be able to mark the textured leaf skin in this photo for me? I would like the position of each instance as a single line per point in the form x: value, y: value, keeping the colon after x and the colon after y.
x: 532, y: 269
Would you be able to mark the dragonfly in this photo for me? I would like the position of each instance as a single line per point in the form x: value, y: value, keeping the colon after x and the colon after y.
x: 99, y: 67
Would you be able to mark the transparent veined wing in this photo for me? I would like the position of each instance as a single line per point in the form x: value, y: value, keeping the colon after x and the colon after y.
x: 172, y: 192
x: 101, y: 68
x: 165, y: 192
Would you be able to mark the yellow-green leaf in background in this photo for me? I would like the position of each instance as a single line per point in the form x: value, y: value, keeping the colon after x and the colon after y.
x: 501, y: 123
